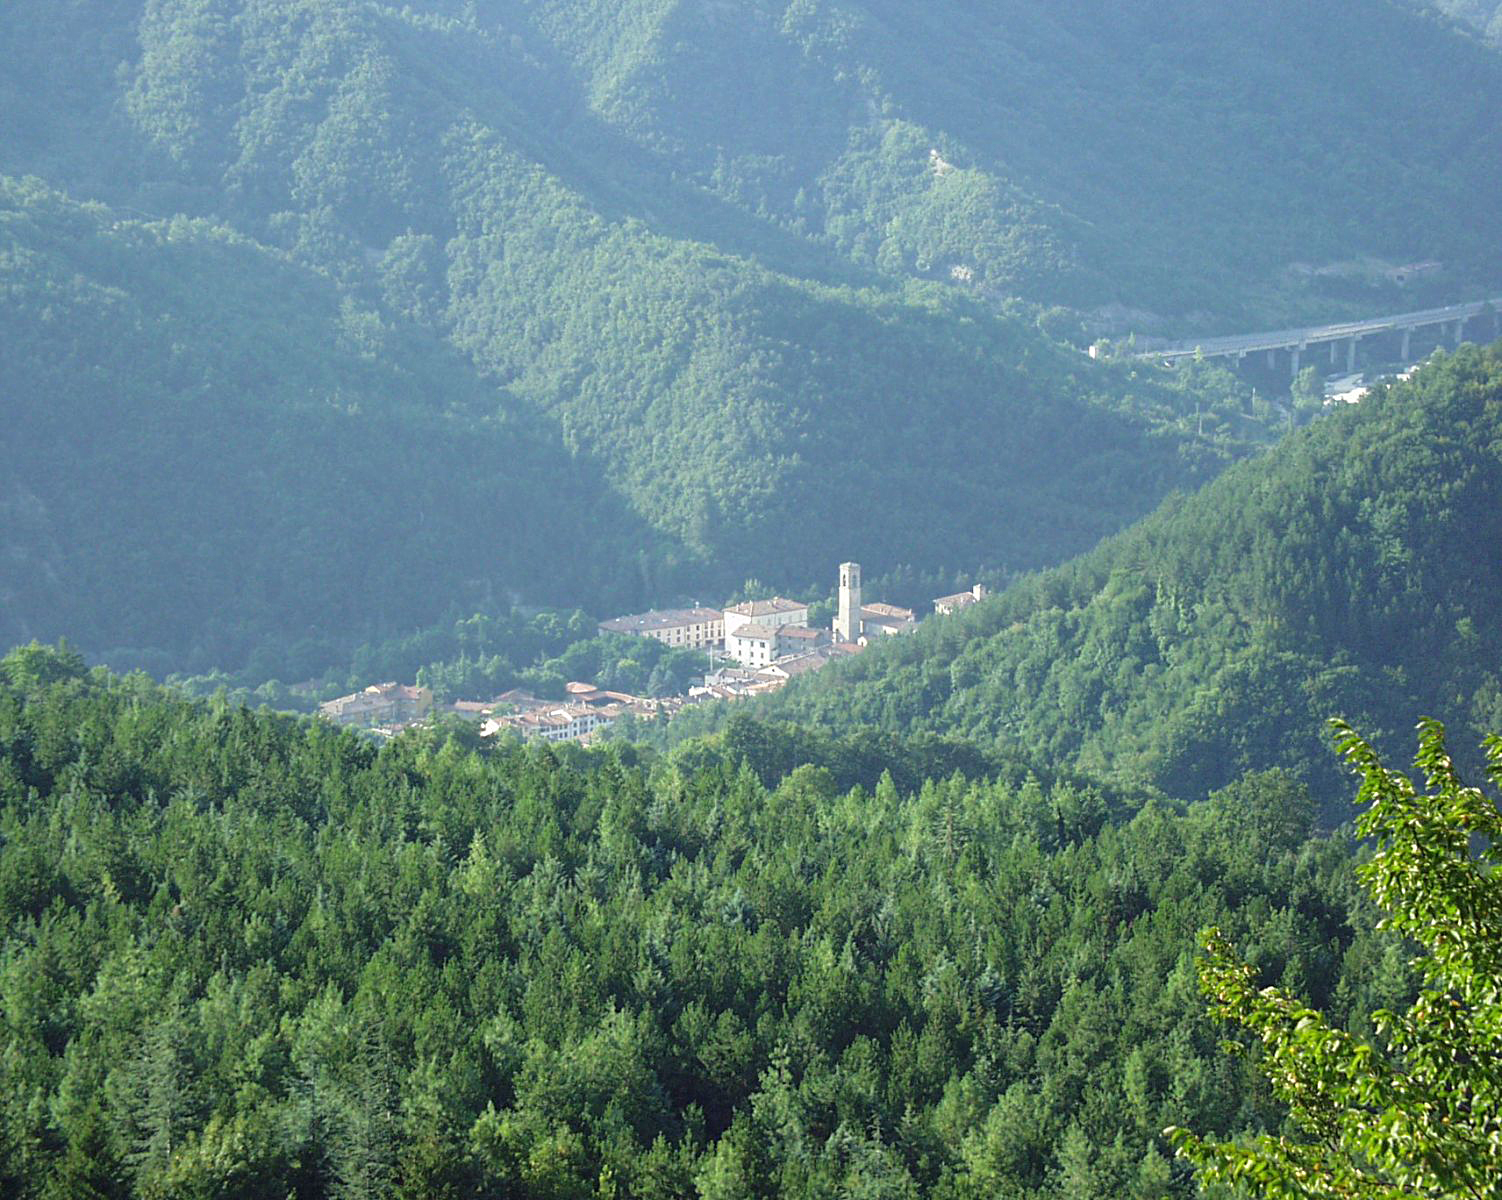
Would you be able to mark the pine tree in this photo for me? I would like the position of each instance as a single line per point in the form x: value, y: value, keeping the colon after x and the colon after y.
x: 161, y: 1095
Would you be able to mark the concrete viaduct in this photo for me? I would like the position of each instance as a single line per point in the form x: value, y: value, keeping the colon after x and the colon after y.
x: 1296, y: 342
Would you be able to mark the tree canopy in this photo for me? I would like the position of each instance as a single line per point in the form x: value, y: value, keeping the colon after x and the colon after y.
x: 703, y: 291
x: 1417, y: 1109
x: 249, y: 955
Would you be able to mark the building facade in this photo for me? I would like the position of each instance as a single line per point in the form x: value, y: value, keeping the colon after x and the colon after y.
x: 756, y: 645
x: 879, y: 620
x: 380, y: 704
x: 847, y: 621
x: 565, y: 723
x: 692, y: 628
x: 771, y: 613
x: 752, y: 644
x: 945, y: 605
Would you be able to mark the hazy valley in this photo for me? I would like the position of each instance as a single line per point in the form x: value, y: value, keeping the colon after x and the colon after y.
x: 448, y: 748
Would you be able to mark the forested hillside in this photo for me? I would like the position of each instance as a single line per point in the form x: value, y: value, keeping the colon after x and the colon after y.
x: 212, y: 446
x: 733, y: 290
x: 251, y: 956
x: 207, y: 449
x: 1174, y: 157
x: 345, y: 339
x: 1349, y: 571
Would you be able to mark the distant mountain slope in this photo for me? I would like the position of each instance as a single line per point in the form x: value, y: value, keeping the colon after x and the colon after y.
x: 204, y: 446
x: 1351, y: 571
x: 1175, y: 156
x: 740, y: 272
x: 1178, y: 156
x: 211, y: 445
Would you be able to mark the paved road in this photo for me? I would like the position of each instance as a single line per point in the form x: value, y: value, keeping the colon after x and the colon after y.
x: 1288, y: 339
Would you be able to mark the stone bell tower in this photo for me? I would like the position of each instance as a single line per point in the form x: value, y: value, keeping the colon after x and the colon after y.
x: 847, y: 623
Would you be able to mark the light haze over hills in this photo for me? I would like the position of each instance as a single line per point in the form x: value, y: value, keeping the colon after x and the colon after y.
x: 351, y: 341
x: 768, y: 278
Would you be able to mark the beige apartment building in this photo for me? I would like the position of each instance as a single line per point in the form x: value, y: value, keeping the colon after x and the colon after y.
x: 693, y: 628
x: 380, y: 704
x: 565, y: 723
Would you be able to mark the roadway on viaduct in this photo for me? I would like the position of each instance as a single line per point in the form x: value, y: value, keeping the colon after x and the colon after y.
x: 1296, y: 341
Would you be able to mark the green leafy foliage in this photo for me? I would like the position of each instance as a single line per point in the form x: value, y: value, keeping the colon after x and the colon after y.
x: 1094, y: 153
x: 1417, y: 1111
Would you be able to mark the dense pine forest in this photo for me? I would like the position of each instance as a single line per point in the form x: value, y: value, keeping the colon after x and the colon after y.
x: 241, y: 450
x: 249, y: 955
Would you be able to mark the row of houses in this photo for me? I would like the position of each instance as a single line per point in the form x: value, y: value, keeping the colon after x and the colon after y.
x: 394, y: 706
x: 586, y: 710
x: 738, y: 682
x: 381, y: 704
x: 563, y: 723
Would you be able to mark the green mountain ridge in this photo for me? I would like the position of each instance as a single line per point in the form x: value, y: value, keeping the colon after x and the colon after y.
x: 348, y: 337
x: 209, y: 447
x: 1088, y: 153
x: 157, y: 396
x: 762, y: 282
x: 1343, y: 573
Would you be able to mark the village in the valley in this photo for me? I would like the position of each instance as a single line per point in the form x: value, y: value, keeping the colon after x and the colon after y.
x: 754, y: 648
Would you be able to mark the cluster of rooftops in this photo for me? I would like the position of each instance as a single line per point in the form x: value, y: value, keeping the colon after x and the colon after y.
x: 767, y: 642
x: 760, y: 632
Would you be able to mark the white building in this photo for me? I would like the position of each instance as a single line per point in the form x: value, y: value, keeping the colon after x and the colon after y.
x: 945, y: 605
x: 856, y: 621
x: 755, y: 644
x: 752, y: 644
x: 769, y: 613
x: 565, y: 723
x: 847, y: 620
x: 878, y: 620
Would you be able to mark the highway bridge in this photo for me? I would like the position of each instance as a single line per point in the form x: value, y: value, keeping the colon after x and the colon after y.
x: 1451, y: 320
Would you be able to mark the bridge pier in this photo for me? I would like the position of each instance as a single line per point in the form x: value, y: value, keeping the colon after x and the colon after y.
x: 1445, y: 324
